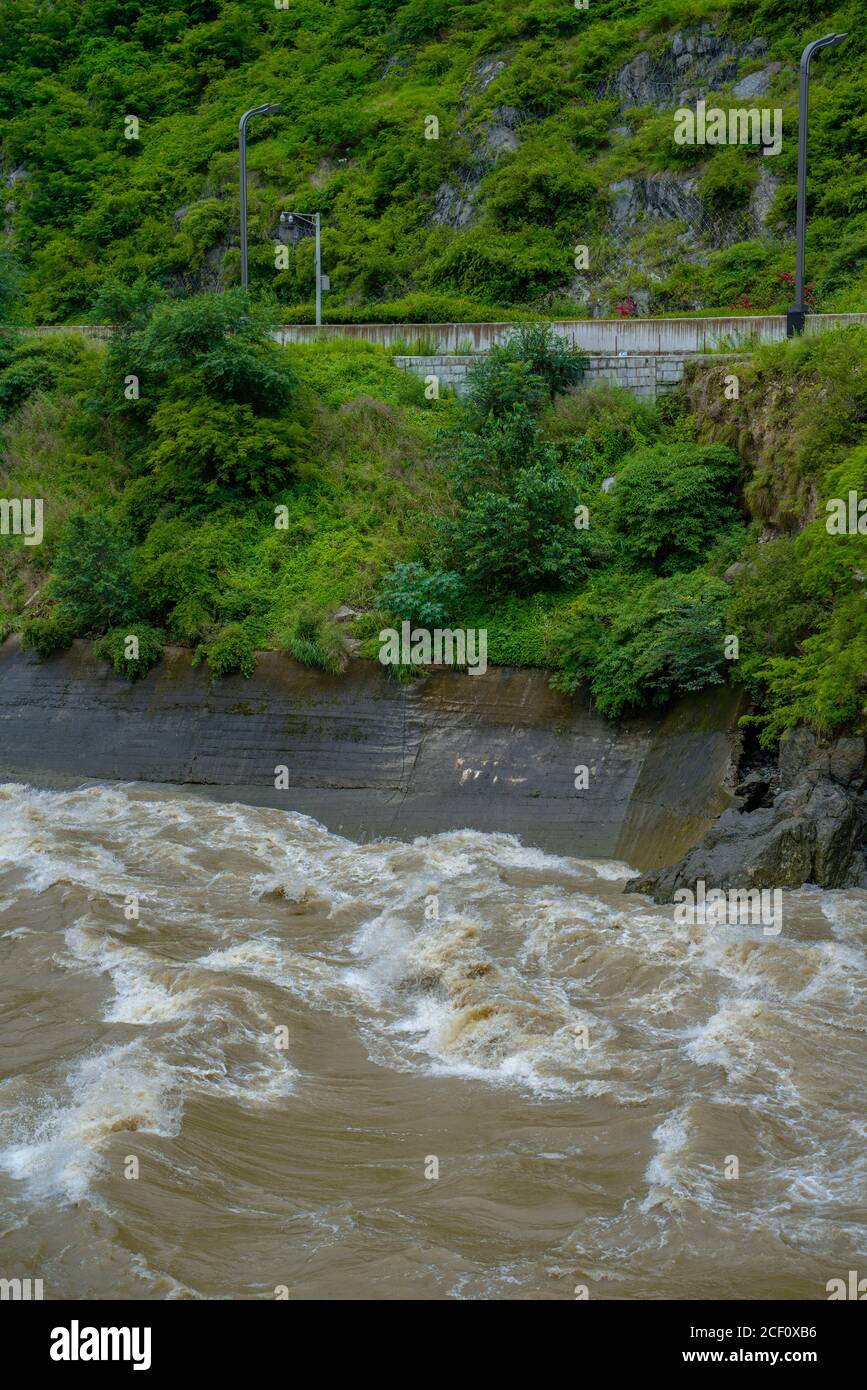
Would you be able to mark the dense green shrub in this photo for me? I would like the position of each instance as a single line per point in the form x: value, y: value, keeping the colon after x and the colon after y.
x: 115, y: 646
x: 491, y: 453
x: 314, y: 641
x: 728, y: 180
x: 605, y: 422
x: 499, y: 267
x: 823, y: 684
x: 420, y: 19
x: 800, y: 610
x: 225, y: 447
x: 497, y: 385
x: 216, y: 344
x: 541, y: 186
x: 797, y: 604
x: 638, y: 643
x: 548, y: 355
x: 417, y: 595
x: 233, y: 650
x: 92, y: 583
x: 522, y: 540
x: 671, y: 502
x: 40, y: 364
x: 126, y: 306
x: 47, y: 633
x: 530, y: 368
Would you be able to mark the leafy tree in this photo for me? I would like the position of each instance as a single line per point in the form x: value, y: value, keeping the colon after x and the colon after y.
x: 489, y: 456
x: 126, y: 306
x: 548, y: 355
x: 92, y: 582
x: 529, y: 369
x: 498, y: 386
x: 671, y: 502
x: 522, y: 540
x: 430, y: 599
x: 637, y: 643
x: 214, y: 345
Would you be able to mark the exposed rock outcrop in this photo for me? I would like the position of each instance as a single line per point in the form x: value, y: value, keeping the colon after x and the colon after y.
x: 812, y: 831
x: 12, y: 180
x: 484, y: 73
x: 671, y: 196
x: 697, y: 61
x: 454, y: 204
x: 762, y: 196
x: 455, y: 201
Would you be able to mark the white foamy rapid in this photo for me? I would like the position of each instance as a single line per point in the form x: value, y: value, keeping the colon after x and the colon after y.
x: 210, y: 983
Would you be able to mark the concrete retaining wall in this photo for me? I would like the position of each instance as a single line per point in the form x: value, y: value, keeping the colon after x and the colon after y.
x: 602, y: 336
x: 368, y: 756
x: 646, y: 375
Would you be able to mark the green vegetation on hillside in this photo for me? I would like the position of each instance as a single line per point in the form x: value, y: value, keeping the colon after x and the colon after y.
x: 481, y: 222
x: 204, y: 485
x: 234, y: 485
x: 800, y: 597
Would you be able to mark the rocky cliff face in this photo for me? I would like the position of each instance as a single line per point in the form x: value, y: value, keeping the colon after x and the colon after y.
x: 696, y: 61
x: 803, y: 823
x: 658, y: 220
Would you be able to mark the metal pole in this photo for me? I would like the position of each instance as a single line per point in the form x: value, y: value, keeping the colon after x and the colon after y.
x: 242, y: 145
x: 318, y: 276
x: 265, y: 110
x: 801, y: 228
x: 797, y: 314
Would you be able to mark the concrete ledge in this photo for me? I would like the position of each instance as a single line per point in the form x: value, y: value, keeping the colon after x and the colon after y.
x: 673, y: 335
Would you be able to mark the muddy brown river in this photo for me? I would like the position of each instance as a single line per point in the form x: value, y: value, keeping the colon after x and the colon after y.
x: 243, y: 1058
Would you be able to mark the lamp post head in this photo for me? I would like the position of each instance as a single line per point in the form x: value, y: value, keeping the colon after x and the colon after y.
x: 267, y: 109
x: 828, y: 41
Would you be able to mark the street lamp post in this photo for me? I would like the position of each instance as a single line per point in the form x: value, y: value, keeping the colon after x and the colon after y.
x: 797, y: 314
x: 265, y: 110
x: 322, y: 281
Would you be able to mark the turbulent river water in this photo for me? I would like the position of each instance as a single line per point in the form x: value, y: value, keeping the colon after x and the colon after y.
x: 456, y: 1068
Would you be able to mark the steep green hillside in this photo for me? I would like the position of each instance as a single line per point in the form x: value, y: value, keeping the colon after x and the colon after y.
x: 555, y: 128
x: 255, y: 495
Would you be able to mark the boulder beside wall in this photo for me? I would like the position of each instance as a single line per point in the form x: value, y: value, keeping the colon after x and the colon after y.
x: 813, y: 832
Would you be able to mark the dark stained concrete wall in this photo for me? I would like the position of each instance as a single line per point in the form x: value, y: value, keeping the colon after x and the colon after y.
x: 370, y: 757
